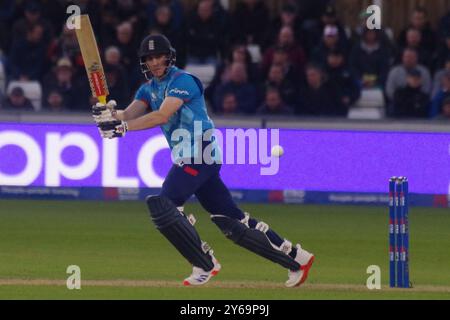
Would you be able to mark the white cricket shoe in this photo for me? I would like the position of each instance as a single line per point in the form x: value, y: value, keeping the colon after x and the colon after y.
x: 305, y: 259
x: 200, y: 276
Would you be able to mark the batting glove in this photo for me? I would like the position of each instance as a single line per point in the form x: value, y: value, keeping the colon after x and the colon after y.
x: 104, y: 112
x: 112, y: 129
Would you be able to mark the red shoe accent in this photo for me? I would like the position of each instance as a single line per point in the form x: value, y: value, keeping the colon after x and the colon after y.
x: 214, y: 272
x: 305, y: 269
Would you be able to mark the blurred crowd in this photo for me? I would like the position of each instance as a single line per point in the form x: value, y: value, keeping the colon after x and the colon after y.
x: 301, y: 60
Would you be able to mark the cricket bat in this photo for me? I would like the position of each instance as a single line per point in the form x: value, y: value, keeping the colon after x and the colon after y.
x: 91, y: 58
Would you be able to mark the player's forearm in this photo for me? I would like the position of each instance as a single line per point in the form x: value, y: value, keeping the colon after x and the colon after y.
x: 147, y: 121
x: 134, y: 110
x: 120, y: 115
x: 126, y: 115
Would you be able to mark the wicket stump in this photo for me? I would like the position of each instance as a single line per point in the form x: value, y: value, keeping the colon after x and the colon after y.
x: 398, y: 233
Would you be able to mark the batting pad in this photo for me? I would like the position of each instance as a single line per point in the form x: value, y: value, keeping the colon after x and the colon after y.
x: 253, y: 240
x: 179, y: 231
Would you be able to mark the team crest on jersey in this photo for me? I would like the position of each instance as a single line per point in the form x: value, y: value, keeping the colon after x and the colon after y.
x: 151, y: 45
x: 153, y: 96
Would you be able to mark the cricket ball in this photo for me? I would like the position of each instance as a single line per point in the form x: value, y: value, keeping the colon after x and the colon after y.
x: 277, y: 151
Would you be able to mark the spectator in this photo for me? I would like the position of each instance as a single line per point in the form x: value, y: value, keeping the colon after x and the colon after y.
x: 229, y: 104
x: 17, y: 101
x: 240, y: 54
x: 7, y: 10
x: 419, y: 21
x: 176, y: 9
x: 28, y: 56
x: 314, y: 32
x: 274, y: 104
x: 445, y: 113
x: 117, y: 85
x: 312, y: 10
x: 249, y: 23
x: 113, y: 56
x: 66, y: 45
x: 33, y: 16
x: 288, y: 90
x: 397, y: 75
x: 126, y: 42
x: 55, y: 102
x: 288, y: 17
x: 286, y: 40
x: 54, y: 12
x: 443, y: 52
x: 330, y: 41
x: 281, y: 58
x: 132, y: 12
x: 62, y: 80
x: 384, y: 35
x: 444, y: 25
x: 340, y: 75
x: 238, y: 85
x: 108, y: 23
x: 163, y: 25
x: 206, y: 37
x: 411, y: 101
x: 441, y: 95
x: 369, y: 60
x: 117, y: 77
x: 221, y: 15
x: 414, y: 40
x: 319, y: 97
x: 439, y: 75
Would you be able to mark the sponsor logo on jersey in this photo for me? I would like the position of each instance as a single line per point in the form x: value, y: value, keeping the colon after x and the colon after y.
x: 179, y: 91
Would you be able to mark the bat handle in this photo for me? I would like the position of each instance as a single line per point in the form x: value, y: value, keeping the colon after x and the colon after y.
x: 102, y: 99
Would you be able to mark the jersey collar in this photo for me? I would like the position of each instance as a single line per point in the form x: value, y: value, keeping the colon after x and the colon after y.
x: 166, y: 75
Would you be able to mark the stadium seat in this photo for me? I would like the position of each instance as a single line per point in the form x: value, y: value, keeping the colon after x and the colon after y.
x: 371, y: 98
x: 369, y: 106
x: 366, y: 113
x: 32, y: 90
x: 205, y: 72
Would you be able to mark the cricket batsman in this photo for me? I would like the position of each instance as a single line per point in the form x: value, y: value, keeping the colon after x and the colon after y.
x: 173, y: 99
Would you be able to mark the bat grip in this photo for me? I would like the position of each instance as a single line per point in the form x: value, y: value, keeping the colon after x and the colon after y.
x: 102, y: 99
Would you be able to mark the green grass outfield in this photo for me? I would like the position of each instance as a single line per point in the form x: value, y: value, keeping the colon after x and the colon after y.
x: 122, y: 255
